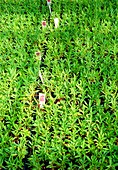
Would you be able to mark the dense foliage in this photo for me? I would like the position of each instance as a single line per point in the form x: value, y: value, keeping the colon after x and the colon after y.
x: 78, y: 128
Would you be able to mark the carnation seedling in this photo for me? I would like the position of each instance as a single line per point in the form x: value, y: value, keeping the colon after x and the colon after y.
x: 77, y: 127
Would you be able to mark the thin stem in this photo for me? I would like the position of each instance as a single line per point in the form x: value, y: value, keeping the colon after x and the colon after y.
x: 40, y: 75
x: 50, y: 8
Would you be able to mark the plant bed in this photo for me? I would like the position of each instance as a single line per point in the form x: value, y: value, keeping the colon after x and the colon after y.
x: 77, y: 128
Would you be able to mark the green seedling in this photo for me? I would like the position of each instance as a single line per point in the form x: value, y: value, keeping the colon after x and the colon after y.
x: 77, y: 128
